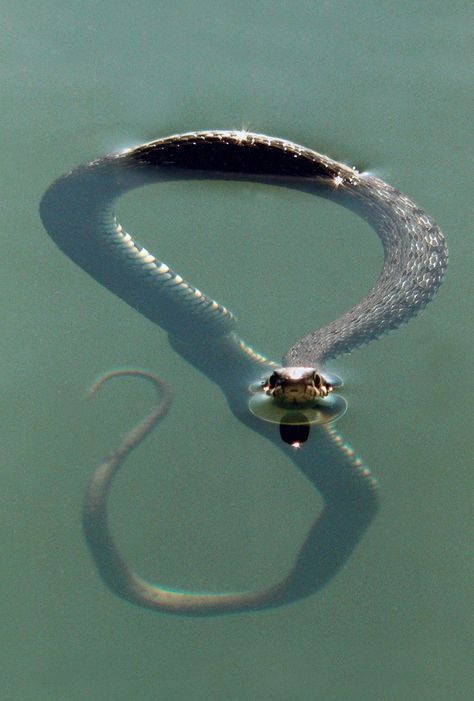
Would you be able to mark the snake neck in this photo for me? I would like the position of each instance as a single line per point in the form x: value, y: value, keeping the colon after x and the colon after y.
x: 415, y: 261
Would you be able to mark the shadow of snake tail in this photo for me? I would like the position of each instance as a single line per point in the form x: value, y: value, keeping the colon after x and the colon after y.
x: 111, y: 565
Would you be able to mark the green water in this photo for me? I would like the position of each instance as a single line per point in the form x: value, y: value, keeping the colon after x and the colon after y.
x: 205, y: 503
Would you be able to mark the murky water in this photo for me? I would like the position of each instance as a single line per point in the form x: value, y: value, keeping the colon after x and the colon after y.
x: 205, y: 503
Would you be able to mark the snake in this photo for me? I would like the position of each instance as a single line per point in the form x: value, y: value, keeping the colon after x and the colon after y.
x: 77, y: 211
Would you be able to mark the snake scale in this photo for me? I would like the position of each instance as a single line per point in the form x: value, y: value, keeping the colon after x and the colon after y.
x: 77, y: 212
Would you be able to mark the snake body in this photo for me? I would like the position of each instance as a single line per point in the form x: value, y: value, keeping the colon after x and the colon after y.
x: 77, y: 212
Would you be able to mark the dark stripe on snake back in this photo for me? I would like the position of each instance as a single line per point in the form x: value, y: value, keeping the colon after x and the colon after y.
x: 77, y: 213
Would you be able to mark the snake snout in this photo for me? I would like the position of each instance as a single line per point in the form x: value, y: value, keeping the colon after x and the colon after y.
x: 297, y: 385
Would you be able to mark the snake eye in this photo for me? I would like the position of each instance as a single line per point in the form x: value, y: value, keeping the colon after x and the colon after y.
x: 317, y: 380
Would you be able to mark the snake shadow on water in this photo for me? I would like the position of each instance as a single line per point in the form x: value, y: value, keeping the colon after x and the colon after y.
x: 293, y: 404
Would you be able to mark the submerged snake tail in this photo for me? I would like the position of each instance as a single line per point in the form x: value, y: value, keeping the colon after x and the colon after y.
x: 313, y: 567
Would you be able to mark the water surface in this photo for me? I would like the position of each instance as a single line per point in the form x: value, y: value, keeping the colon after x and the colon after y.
x: 379, y: 85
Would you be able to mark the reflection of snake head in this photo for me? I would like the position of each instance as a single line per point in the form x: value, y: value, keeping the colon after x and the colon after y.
x: 297, y: 385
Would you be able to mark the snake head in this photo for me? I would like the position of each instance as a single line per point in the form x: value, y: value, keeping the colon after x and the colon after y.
x: 296, y: 398
x: 297, y: 385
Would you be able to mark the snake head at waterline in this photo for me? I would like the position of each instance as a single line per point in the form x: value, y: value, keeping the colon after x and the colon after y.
x: 297, y: 385
x: 297, y: 397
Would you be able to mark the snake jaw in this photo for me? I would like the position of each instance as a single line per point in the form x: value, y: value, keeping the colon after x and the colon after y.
x: 297, y: 386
